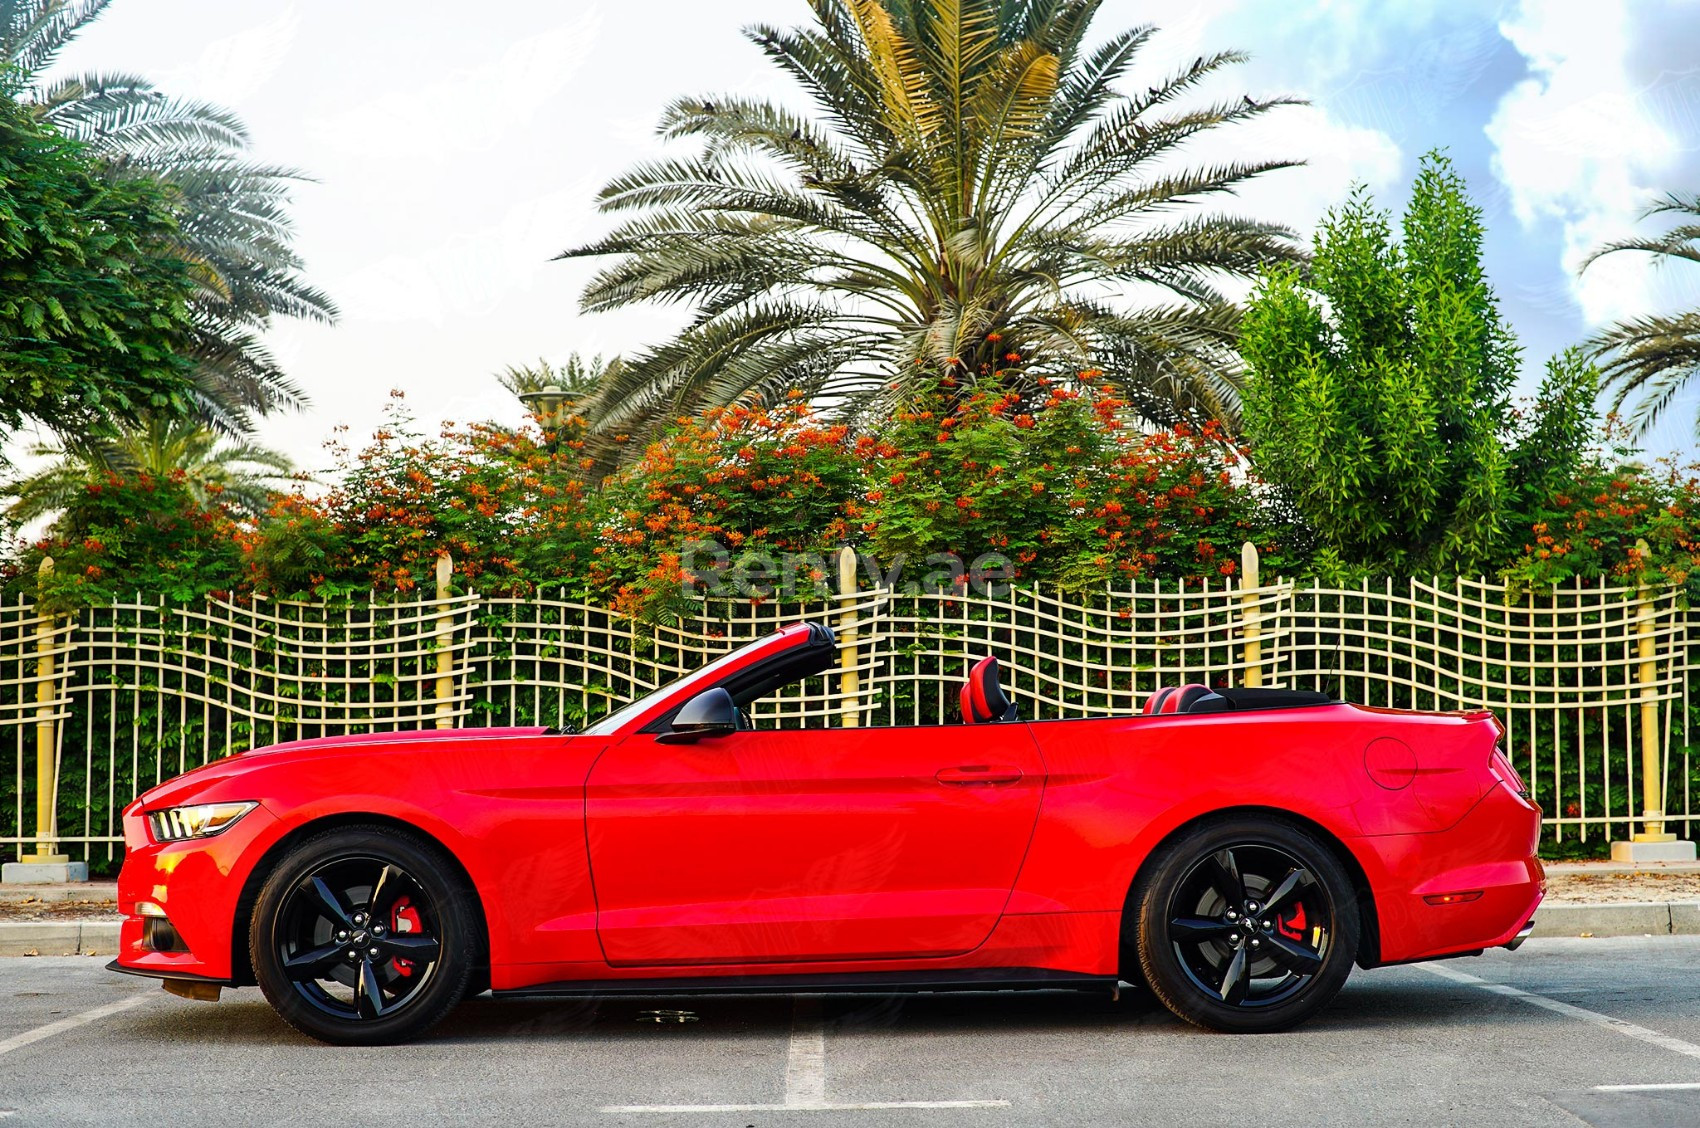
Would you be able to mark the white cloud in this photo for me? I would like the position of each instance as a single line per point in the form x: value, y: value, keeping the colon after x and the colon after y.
x: 1337, y: 154
x: 1580, y: 142
x: 471, y: 109
x: 232, y: 68
x: 471, y: 272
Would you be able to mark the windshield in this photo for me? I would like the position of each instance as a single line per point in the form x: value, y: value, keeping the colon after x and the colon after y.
x: 618, y: 719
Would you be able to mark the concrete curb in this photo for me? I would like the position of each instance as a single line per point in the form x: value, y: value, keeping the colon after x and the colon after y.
x: 1631, y: 918
x: 93, y: 892
x: 59, y: 938
x: 1590, y: 869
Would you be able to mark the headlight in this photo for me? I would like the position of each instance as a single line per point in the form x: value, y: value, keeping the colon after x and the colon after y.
x: 176, y: 824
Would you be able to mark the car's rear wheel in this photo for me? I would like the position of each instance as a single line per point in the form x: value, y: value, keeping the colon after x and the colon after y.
x: 364, y: 936
x: 1245, y: 926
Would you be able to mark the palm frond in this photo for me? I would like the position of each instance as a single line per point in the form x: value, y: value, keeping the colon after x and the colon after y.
x: 33, y: 32
x: 1650, y: 360
x: 117, y: 114
x: 242, y: 475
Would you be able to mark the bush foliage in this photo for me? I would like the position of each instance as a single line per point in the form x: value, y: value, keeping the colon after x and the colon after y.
x: 1379, y: 391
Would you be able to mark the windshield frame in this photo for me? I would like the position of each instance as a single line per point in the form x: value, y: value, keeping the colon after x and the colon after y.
x: 655, y: 700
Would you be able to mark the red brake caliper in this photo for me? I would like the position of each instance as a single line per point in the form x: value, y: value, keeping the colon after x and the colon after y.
x: 404, y: 919
x: 1293, y: 927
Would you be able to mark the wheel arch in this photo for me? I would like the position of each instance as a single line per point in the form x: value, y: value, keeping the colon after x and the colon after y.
x: 241, y: 967
x: 1369, y: 949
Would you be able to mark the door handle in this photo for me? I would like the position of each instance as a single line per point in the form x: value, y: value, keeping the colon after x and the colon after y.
x: 969, y: 775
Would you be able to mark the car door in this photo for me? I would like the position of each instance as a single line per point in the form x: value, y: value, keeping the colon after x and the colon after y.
x: 809, y: 844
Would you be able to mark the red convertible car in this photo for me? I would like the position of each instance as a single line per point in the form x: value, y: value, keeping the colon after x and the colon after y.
x: 1236, y: 850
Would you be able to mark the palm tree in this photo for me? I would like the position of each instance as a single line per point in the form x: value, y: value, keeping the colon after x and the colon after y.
x: 577, y: 377
x: 972, y: 187
x: 561, y: 398
x: 1653, y: 357
x: 243, y: 476
x: 235, y: 229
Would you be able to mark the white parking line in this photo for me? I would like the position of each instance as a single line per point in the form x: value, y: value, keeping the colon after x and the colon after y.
x: 1647, y: 1088
x: 805, y: 1078
x: 1581, y: 1014
x: 30, y: 1037
x: 805, y: 1061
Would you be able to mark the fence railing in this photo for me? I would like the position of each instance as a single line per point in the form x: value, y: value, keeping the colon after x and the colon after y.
x: 1592, y: 683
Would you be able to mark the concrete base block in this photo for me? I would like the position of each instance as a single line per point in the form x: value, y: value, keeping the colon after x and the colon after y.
x: 1678, y: 851
x: 43, y: 873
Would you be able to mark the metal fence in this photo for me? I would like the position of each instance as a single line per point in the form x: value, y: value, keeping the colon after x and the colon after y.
x: 1592, y: 683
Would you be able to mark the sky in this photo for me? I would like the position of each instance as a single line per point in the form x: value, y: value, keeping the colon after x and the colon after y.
x: 455, y: 151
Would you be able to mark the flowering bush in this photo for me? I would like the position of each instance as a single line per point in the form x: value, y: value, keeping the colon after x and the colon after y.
x: 1592, y: 529
x: 1061, y: 485
x: 1041, y: 482
x: 743, y: 480
x: 508, y: 505
x: 129, y: 534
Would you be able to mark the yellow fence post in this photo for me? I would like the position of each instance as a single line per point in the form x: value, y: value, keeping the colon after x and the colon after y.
x: 47, y: 865
x: 1652, y: 734
x: 849, y: 659
x: 445, y: 644
x: 1654, y: 842
x: 1250, y: 616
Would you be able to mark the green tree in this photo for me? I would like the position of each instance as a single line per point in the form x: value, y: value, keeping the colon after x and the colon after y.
x: 1653, y: 358
x: 94, y: 303
x: 234, y: 225
x: 1378, y: 396
x: 241, y: 476
x: 971, y: 186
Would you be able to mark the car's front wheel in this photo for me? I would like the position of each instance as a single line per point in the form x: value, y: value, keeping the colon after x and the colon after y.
x: 1245, y: 926
x: 364, y: 936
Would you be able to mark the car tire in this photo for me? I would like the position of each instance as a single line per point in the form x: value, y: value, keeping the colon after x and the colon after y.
x: 365, y: 935
x: 1190, y: 909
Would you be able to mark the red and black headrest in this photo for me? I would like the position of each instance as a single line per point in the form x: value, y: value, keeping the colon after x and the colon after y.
x: 983, y: 698
x: 1175, y: 699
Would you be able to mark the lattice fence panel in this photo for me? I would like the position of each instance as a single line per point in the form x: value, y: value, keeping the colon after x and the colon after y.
x: 144, y: 690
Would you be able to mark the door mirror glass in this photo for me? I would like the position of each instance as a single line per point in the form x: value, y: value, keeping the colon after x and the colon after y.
x: 710, y: 713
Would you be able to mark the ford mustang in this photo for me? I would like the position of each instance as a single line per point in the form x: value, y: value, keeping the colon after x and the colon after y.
x: 1236, y: 851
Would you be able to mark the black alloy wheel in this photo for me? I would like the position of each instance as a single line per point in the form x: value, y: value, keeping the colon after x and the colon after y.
x: 1246, y: 927
x: 364, y: 936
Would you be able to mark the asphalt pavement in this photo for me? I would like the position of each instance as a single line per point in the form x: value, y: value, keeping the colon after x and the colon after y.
x: 1564, y: 1032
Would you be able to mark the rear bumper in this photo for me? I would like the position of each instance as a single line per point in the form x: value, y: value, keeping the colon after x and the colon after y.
x: 1488, y: 858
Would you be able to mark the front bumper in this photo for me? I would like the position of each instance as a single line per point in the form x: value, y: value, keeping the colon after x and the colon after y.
x: 198, y: 884
x: 147, y: 973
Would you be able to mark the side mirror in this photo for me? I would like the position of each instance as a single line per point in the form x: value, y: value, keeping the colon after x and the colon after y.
x: 710, y: 713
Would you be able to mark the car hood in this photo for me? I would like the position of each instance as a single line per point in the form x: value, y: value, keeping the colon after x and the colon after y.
x: 195, y: 781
